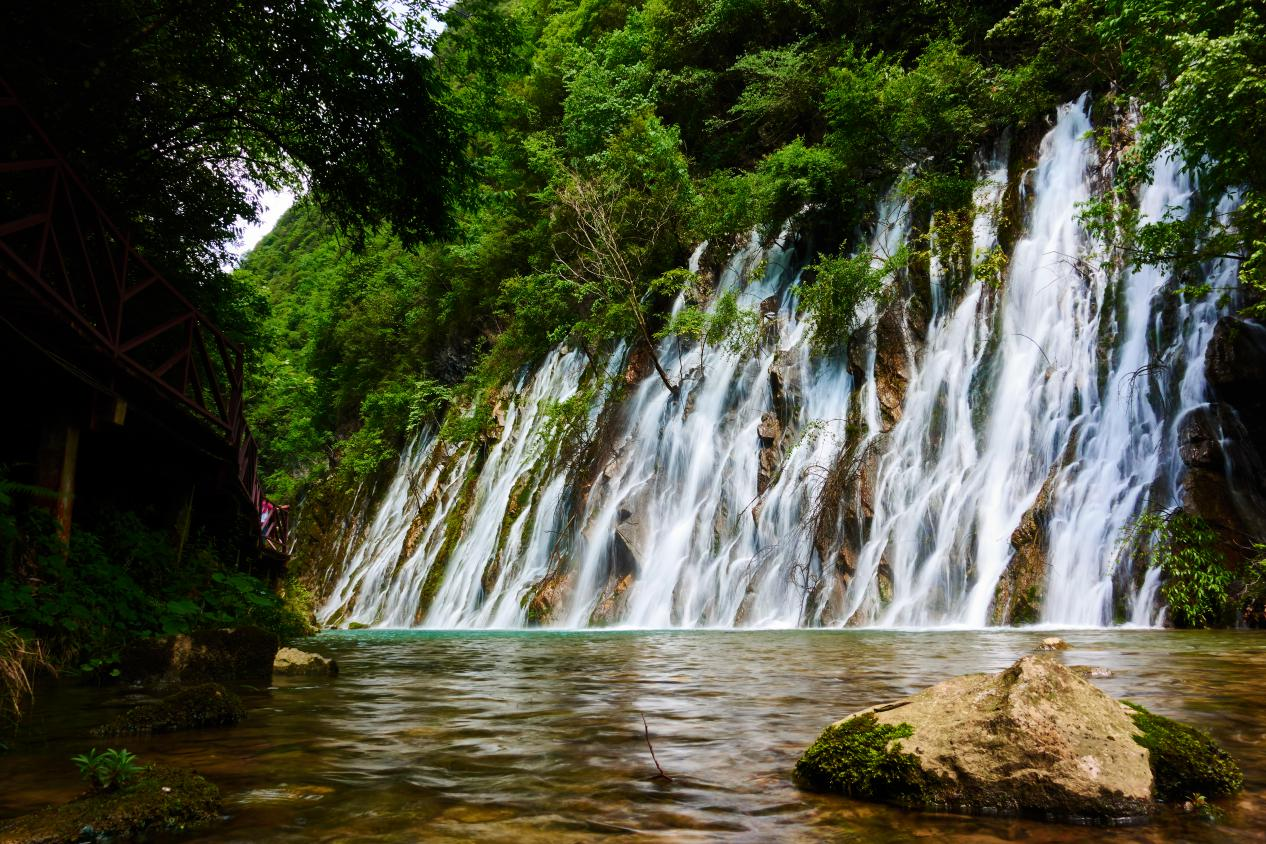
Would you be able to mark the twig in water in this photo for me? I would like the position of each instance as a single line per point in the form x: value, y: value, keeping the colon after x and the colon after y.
x: 661, y: 775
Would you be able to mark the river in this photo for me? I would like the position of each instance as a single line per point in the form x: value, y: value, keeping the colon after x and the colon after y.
x: 537, y: 736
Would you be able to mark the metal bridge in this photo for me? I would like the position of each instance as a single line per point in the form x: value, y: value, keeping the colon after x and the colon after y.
x: 61, y: 250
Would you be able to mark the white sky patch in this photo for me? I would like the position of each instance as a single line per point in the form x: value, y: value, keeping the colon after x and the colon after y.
x: 275, y: 203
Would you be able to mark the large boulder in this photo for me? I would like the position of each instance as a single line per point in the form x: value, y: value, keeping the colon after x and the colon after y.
x: 162, y: 799
x: 242, y: 654
x: 208, y: 705
x: 295, y: 661
x: 1036, y: 739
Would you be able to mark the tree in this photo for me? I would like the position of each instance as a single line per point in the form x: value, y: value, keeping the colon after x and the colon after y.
x: 621, y: 228
x: 178, y: 113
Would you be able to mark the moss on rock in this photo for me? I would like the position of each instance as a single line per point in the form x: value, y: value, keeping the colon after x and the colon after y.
x: 857, y: 758
x: 1185, y: 761
x: 208, y: 705
x: 161, y: 799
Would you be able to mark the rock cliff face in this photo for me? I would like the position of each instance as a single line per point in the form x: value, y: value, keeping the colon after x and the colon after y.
x: 1223, y: 445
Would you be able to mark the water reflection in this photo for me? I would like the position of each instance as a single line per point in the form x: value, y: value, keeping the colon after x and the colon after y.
x: 529, y: 737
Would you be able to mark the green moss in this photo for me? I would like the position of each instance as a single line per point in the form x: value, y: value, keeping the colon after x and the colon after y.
x: 162, y: 798
x: 208, y: 705
x: 857, y: 758
x: 454, y: 525
x: 357, y: 625
x: 1185, y: 761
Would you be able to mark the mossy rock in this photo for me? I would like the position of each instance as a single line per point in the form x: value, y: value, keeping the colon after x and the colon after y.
x: 859, y: 758
x: 1185, y: 761
x: 162, y: 799
x: 216, y: 655
x: 208, y: 705
x: 1035, y: 740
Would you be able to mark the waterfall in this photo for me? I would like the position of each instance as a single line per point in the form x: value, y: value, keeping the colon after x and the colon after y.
x: 1038, y: 414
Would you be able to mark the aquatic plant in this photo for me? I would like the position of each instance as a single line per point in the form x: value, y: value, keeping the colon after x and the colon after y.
x: 108, y: 770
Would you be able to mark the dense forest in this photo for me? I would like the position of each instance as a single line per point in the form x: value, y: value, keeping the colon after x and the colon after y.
x: 608, y: 139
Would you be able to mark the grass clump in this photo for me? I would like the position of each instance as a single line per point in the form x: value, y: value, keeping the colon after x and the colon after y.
x: 1185, y: 761
x: 857, y: 758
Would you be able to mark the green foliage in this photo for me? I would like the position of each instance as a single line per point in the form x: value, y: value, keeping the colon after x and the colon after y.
x: 1195, y: 576
x: 1186, y: 763
x: 857, y: 758
x: 568, y: 429
x: 108, y: 770
x: 176, y: 115
x: 119, y: 579
x: 608, y: 138
x: 841, y: 286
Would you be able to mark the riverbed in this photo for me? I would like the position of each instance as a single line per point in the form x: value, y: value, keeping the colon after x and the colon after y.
x: 538, y: 736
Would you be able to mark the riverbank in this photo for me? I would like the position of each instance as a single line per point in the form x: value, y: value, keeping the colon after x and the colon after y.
x: 536, y: 736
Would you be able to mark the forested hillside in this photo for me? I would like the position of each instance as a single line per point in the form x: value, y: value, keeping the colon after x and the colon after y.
x: 610, y: 138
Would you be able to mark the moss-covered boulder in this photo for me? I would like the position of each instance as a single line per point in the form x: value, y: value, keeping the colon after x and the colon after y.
x: 161, y: 799
x: 241, y: 654
x: 208, y: 705
x: 1037, y: 739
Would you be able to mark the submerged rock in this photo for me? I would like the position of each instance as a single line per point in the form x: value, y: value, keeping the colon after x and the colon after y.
x: 295, y: 661
x: 1036, y: 739
x: 208, y: 705
x: 161, y: 799
x: 235, y: 654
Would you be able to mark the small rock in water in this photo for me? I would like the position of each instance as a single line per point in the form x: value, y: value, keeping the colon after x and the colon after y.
x: 1053, y: 643
x: 295, y: 661
x: 1092, y: 672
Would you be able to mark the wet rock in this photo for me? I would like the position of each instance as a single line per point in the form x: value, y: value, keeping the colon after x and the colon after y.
x: 639, y: 365
x: 769, y: 429
x: 1052, y: 643
x: 1235, y: 362
x: 767, y: 467
x: 612, y: 603
x: 1224, y: 443
x: 1199, y: 445
x: 1092, y: 672
x: 1017, y: 599
x: 784, y: 385
x: 242, y: 654
x: 627, y: 547
x: 1034, y: 739
x: 547, y: 598
x: 295, y: 661
x: 162, y: 799
x: 769, y: 306
x: 207, y: 705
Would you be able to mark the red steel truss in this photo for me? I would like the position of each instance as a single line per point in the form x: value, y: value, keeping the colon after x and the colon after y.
x: 61, y: 247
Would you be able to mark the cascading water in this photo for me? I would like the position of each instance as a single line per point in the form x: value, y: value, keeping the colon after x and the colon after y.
x: 1044, y: 409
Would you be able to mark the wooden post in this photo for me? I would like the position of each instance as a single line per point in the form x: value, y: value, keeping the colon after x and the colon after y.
x: 58, y: 456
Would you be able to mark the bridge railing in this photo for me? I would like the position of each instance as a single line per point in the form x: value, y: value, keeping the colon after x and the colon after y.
x: 60, y: 245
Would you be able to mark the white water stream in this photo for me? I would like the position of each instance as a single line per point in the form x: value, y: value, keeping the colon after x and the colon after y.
x: 1062, y: 385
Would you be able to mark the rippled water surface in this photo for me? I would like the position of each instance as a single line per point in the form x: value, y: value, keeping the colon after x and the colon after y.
x: 525, y: 737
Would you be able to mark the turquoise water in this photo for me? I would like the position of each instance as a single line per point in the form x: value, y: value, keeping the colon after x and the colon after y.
x: 535, y: 736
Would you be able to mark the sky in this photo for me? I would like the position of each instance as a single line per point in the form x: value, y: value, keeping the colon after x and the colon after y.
x: 275, y: 204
